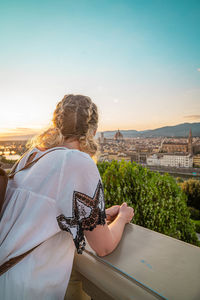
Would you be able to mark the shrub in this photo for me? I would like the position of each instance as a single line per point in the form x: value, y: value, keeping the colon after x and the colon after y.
x: 8, y: 161
x: 191, y: 188
x: 195, y: 213
x: 158, y: 200
x: 102, y: 166
x: 179, y: 180
x: 197, y: 225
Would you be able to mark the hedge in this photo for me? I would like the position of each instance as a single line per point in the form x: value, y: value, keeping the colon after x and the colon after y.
x: 197, y: 225
x: 195, y: 213
x: 158, y: 201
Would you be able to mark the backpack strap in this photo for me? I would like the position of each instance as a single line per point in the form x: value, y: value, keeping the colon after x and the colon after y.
x: 29, y: 164
x: 3, y: 185
x: 13, y: 261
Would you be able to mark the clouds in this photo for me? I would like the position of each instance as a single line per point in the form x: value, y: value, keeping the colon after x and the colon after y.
x: 23, y: 130
x: 20, y: 130
x: 192, y: 117
x: 17, y: 133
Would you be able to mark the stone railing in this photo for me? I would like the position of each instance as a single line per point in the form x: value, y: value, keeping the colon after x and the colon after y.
x: 145, y: 265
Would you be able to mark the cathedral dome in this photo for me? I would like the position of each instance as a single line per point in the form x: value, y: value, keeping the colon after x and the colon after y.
x: 118, y: 135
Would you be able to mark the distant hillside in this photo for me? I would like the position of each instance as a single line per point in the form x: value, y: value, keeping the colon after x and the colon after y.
x: 16, y: 137
x: 181, y: 130
x: 19, y: 134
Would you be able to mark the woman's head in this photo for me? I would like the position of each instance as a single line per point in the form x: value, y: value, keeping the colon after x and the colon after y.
x: 75, y: 118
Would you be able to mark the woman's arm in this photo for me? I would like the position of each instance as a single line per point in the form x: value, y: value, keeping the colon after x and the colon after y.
x: 111, y: 213
x: 105, y: 238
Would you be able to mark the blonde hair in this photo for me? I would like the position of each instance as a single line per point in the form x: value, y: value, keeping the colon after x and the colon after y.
x: 75, y: 118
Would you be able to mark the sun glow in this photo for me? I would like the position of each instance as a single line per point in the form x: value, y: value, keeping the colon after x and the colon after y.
x: 17, y: 133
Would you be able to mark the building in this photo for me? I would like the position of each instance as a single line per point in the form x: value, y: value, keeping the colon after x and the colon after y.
x: 118, y: 136
x: 171, y: 160
x: 196, y: 148
x: 190, y: 150
x: 101, y: 141
x: 196, y: 160
x: 101, y: 138
x: 177, y: 160
x: 109, y: 156
x: 153, y: 160
x: 172, y: 147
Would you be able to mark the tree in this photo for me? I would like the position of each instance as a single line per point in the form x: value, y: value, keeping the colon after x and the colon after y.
x: 191, y: 188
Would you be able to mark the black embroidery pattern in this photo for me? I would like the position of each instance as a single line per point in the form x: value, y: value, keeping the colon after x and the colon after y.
x: 87, y: 214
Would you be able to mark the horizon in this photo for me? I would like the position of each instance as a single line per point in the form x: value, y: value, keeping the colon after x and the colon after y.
x: 138, y: 61
x: 28, y: 133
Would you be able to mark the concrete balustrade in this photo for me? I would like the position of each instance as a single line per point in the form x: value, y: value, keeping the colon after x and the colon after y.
x: 146, y: 265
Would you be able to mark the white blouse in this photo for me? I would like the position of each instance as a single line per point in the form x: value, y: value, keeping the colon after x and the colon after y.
x: 51, y: 203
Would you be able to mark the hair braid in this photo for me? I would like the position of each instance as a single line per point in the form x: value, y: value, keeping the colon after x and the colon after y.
x: 75, y: 118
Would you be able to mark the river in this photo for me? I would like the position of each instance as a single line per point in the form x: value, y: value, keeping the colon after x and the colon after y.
x: 12, y: 157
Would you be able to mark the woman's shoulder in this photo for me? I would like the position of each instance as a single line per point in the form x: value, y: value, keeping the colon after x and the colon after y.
x: 79, y: 158
x: 78, y: 173
x: 69, y: 158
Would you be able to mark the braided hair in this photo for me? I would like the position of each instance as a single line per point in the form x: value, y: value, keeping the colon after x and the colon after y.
x: 75, y: 118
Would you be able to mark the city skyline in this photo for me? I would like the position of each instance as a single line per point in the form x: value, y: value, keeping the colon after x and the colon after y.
x: 177, y: 131
x: 138, y: 61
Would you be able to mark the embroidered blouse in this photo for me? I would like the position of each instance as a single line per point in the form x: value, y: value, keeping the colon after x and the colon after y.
x: 51, y: 203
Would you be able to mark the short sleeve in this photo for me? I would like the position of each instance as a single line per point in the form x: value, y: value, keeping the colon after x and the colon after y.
x: 81, y: 197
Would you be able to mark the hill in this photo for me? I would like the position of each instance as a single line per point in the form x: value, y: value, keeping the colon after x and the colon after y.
x: 180, y: 130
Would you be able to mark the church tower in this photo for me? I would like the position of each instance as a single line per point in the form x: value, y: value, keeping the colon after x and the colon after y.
x: 190, y: 142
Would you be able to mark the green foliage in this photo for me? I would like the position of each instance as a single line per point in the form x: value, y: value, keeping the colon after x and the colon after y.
x: 158, y: 200
x: 195, y: 213
x: 197, y: 225
x: 102, y: 166
x: 179, y: 180
x: 8, y: 161
x: 191, y: 188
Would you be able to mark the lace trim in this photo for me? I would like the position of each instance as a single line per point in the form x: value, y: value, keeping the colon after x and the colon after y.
x: 87, y: 214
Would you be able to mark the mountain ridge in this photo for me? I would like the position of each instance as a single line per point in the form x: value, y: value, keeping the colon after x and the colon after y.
x: 180, y: 130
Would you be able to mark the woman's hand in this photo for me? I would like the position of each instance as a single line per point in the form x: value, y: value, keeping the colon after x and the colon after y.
x: 105, y: 238
x: 123, y: 211
x: 126, y: 212
x: 112, y: 212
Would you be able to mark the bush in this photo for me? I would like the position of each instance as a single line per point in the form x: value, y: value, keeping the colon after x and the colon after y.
x: 197, y: 225
x: 195, y: 213
x: 102, y: 166
x: 158, y: 200
x: 8, y: 161
x: 179, y: 180
x: 191, y: 188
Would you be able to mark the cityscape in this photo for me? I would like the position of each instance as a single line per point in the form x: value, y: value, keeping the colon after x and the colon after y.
x: 155, y: 152
x: 181, y: 155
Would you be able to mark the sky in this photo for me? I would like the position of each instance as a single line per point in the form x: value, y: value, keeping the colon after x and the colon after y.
x: 138, y: 60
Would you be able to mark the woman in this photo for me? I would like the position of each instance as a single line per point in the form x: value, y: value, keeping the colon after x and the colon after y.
x: 53, y: 204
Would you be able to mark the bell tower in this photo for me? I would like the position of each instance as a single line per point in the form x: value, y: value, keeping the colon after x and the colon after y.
x: 190, y: 151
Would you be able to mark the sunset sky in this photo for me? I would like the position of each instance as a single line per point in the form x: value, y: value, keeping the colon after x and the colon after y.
x: 139, y: 61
